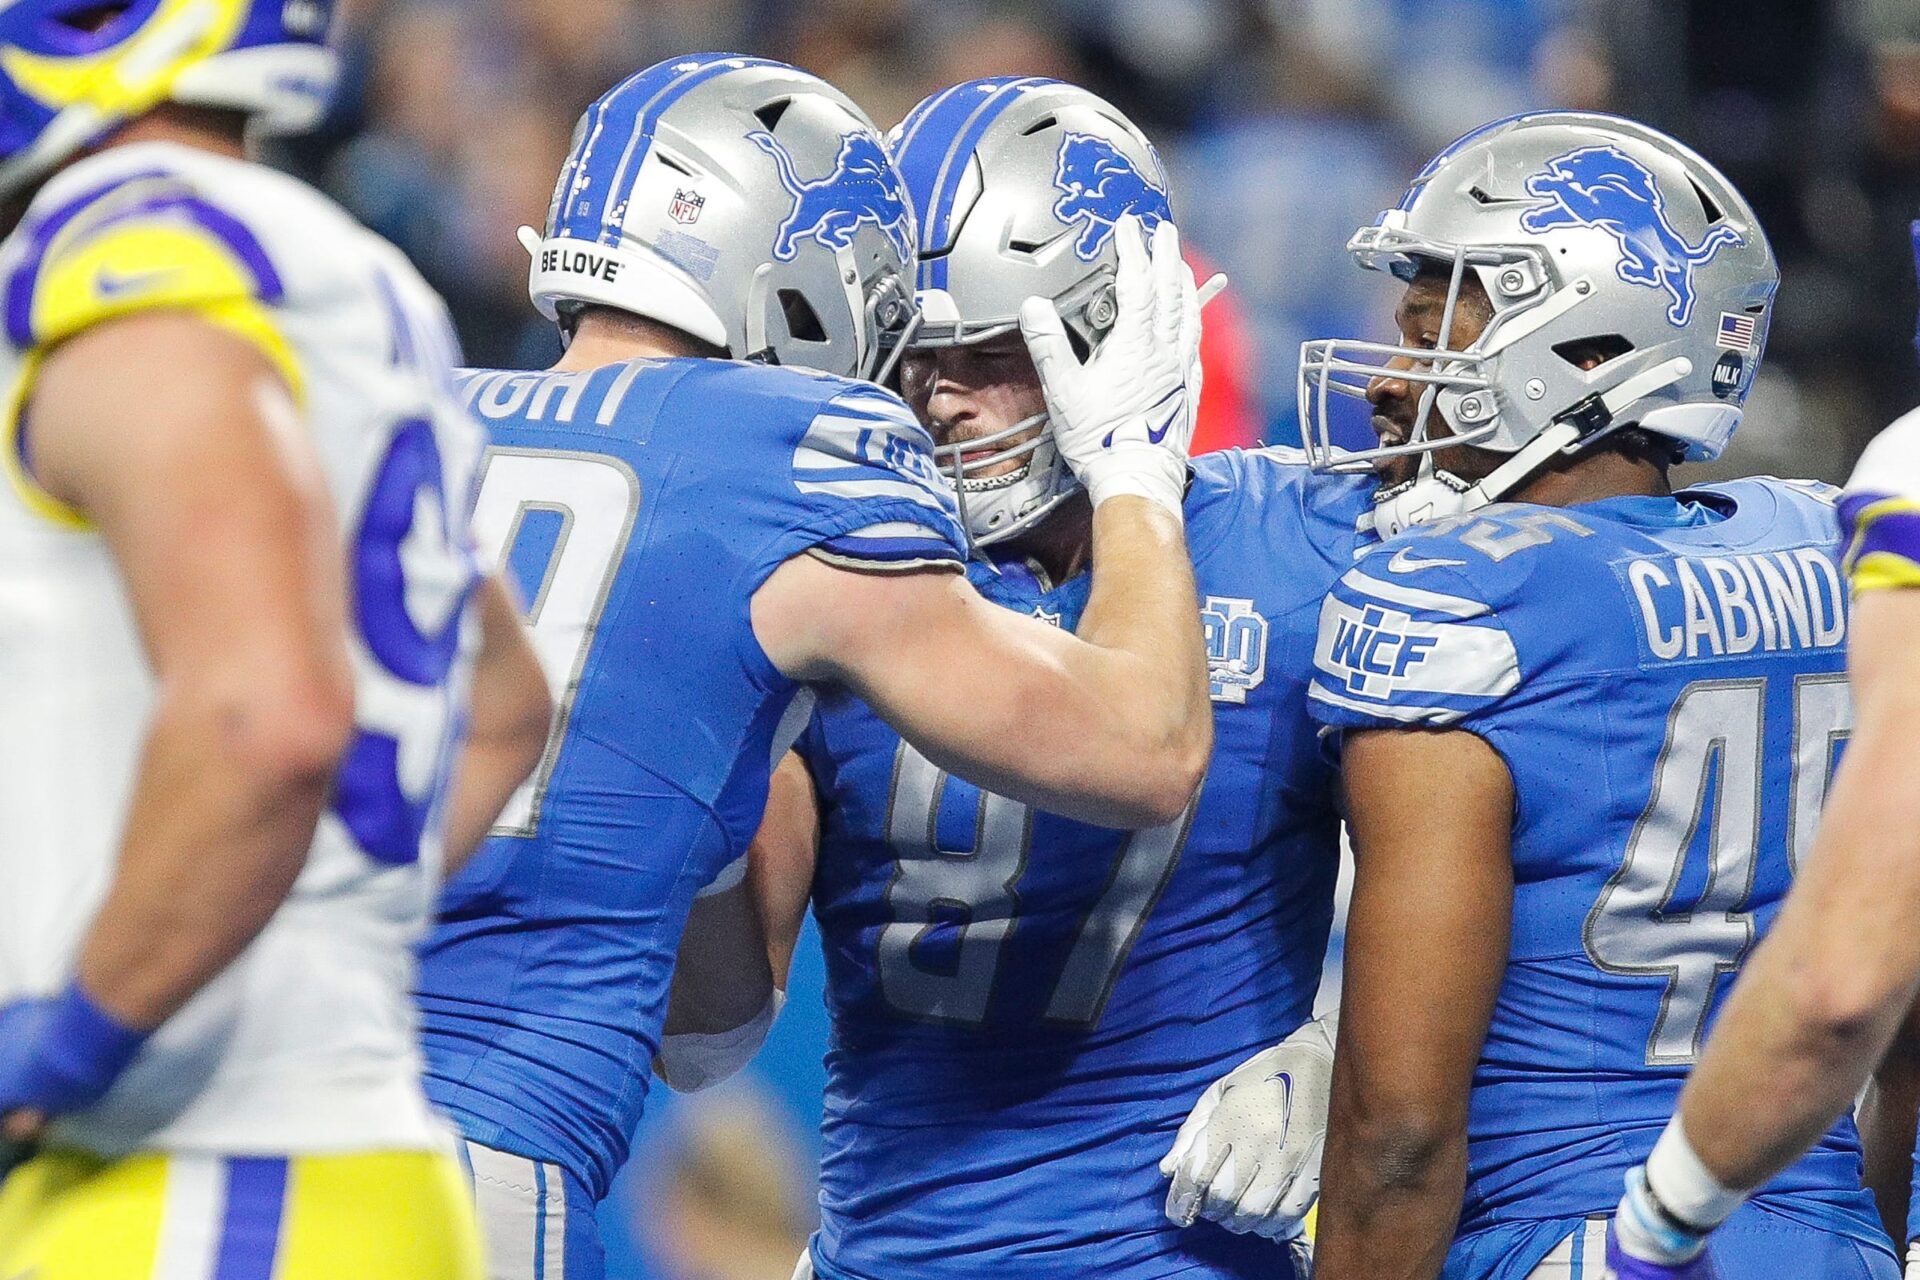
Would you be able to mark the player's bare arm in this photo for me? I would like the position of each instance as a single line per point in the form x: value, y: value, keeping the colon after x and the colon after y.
x: 1426, y: 949
x: 181, y: 443
x: 1112, y: 726
x: 1824, y: 994
x: 731, y: 973
x: 1887, y: 1115
x: 511, y: 717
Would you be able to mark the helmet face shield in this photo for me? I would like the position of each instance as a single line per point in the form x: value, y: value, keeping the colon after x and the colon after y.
x: 1008, y: 480
x: 1337, y: 375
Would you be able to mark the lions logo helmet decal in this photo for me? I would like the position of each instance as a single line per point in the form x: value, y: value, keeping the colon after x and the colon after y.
x: 1606, y: 188
x: 1099, y: 184
x: 863, y: 187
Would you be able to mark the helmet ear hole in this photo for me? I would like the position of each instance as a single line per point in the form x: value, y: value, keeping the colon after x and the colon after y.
x: 803, y: 322
x: 1590, y: 353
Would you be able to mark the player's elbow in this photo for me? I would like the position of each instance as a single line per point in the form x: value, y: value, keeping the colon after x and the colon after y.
x: 526, y: 725
x: 1843, y: 1011
x: 1404, y: 1148
x: 286, y: 730
x: 1181, y: 766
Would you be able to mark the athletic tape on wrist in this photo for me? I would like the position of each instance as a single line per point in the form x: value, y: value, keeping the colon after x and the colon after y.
x: 1684, y: 1187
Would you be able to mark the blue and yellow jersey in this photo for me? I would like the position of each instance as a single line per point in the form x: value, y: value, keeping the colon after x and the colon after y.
x: 307, y: 1043
x: 1880, y: 511
x: 639, y: 507
x: 1665, y: 679
x: 1026, y: 1007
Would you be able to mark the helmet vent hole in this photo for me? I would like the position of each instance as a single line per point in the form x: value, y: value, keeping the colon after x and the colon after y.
x: 1707, y: 204
x: 769, y: 115
x: 1040, y: 126
x: 803, y: 322
x: 673, y: 164
x: 1589, y: 353
x: 1026, y: 246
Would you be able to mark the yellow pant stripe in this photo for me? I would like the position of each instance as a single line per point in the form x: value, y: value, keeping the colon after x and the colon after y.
x: 388, y: 1216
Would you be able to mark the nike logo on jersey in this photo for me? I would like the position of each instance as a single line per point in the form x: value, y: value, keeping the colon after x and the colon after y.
x: 1404, y: 561
x: 112, y: 284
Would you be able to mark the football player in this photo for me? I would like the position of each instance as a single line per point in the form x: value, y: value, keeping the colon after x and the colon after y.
x: 244, y: 630
x: 1823, y: 996
x: 1025, y: 1004
x: 703, y: 526
x: 1620, y: 701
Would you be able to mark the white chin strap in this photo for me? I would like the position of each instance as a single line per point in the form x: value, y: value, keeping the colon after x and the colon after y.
x: 1436, y: 494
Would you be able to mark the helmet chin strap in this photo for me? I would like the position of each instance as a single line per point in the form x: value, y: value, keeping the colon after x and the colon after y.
x: 1435, y: 494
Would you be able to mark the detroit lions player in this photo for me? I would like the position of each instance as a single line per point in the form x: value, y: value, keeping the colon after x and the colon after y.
x: 1025, y: 1006
x: 1823, y: 996
x: 235, y: 586
x: 699, y: 536
x: 1624, y: 700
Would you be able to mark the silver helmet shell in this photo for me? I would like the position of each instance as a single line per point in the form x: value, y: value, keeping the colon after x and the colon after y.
x: 1587, y: 232
x: 741, y: 201
x: 1016, y: 184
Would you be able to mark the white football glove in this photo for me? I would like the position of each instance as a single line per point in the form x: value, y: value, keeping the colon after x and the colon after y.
x: 1248, y: 1156
x: 1124, y: 420
x: 1913, y: 1261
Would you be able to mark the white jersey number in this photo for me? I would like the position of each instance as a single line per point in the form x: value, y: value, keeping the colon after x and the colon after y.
x: 1710, y: 762
x: 592, y: 501
x: 976, y: 893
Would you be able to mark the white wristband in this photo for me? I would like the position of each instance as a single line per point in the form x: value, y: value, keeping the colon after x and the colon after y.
x: 1684, y: 1186
x: 1153, y: 474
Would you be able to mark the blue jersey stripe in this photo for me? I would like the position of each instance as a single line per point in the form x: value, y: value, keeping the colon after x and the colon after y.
x: 250, y: 1228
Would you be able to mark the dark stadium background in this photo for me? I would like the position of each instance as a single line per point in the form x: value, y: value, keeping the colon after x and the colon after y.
x: 1286, y: 123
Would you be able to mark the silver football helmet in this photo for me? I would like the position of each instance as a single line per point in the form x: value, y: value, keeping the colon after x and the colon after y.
x: 741, y: 201
x: 1016, y: 183
x: 1588, y: 233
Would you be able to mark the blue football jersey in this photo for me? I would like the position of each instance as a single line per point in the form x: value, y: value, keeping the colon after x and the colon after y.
x: 1026, y: 1007
x: 639, y: 507
x: 1665, y: 680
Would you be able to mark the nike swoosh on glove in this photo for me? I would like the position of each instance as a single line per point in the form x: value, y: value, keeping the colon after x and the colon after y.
x: 1123, y: 420
x: 1248, y: 1156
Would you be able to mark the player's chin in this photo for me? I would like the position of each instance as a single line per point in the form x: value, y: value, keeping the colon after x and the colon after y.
x: 1396, y: 471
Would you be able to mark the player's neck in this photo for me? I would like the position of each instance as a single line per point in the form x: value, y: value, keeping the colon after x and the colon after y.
x: 1061, y: 544
x: 220, y: 132
x: 1593, y: 478
x: 602, y: 337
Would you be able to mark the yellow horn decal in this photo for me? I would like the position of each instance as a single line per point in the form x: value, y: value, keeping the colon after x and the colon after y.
x: 138, y: 73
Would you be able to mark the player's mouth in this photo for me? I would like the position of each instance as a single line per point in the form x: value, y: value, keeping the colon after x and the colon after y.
x: 1391, y: 433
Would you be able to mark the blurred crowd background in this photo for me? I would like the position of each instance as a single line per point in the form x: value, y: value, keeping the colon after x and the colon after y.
x: 1286, y: 124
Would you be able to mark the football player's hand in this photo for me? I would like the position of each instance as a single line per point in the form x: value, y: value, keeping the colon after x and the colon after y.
x: 1644, y: 1242
x: 1248, y: 1156
x: 57, y: 1055
x: 1624, y: 1266
x: 1913, y: 1248
x: 1124, y: 419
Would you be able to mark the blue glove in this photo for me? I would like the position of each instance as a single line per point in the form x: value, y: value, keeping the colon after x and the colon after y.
x: 1623, y: 1266
x: 1653, y: 1231
x: 62, y: 1054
